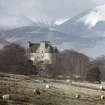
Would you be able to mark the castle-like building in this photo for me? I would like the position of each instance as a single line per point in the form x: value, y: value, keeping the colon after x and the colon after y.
x: 42, y: 53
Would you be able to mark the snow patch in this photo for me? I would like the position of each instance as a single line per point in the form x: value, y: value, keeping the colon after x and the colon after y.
x: 12, y: 39
x: 61, y: 21
x: 94, y: 16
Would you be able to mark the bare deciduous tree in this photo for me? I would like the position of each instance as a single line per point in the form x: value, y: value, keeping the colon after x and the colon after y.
x: 13, y: 59
x: 93, y: 74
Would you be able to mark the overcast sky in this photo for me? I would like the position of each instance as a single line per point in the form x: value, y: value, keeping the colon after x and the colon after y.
x: 14, y: 12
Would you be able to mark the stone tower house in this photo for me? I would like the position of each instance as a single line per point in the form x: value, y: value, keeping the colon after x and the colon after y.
x: 42, y: 53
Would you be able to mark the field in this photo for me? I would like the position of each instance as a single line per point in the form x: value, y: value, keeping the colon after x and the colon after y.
x: 21, y: 88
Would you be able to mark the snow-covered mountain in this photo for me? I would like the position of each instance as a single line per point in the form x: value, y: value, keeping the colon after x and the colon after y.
x: 92, y: 20
x: 95, y: 16
x: 89, y: 31
x: 84, y: 32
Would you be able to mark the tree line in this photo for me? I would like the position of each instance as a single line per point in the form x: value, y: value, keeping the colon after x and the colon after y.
x: 13, y: 59
x: 78, y: 66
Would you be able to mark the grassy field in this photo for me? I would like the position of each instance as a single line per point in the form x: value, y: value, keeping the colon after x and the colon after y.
x: 20, y: 88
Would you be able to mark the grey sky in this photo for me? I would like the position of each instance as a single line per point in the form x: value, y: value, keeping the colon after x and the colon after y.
x: 13, y: 11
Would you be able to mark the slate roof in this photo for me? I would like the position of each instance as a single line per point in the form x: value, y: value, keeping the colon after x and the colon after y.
x: 33, y: 46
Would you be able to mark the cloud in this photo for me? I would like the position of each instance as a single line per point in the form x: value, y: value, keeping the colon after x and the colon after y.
x: 42, y: 10
x: 10, y: 22
x: 98, y: 2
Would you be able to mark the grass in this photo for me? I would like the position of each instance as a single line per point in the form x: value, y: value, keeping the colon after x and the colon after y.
x: 22, y: 94
x: 48, y: 97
